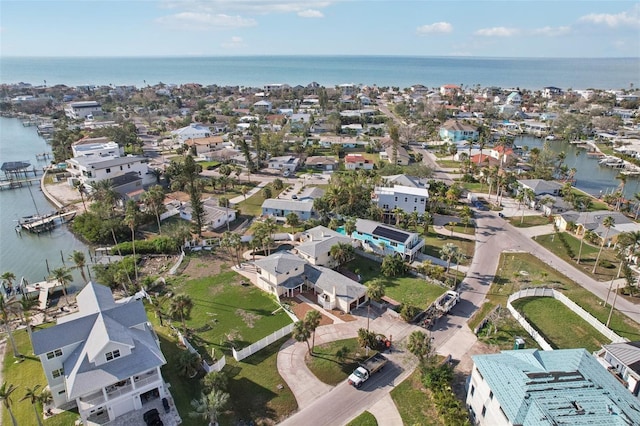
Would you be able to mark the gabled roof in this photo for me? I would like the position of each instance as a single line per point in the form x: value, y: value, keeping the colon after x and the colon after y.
x: 455, y: 125
x: 405, y: 180
x: 280, y: 263
x: 291, y: 205
x: 316, y: 246
x: 541, y: 186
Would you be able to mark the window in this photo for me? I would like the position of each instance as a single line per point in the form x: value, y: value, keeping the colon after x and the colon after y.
x: 62, y: 392
x: 415, y: 200
x: 396, y: 198
x: 406, y: 199
x: 108, y: 170
x: 490, y: 394
x: 113, y: 355
x: 484, y: 410
x: 473, y: 390
x: 57, y: 373
x: 54, y: 354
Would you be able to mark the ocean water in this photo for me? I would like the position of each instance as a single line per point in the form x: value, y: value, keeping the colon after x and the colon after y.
x: 257, y: 71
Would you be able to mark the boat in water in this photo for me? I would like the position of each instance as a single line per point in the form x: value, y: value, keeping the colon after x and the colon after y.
x: 41, y: 223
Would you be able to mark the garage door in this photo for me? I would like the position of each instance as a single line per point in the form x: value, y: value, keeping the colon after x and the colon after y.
x: 122, y: 407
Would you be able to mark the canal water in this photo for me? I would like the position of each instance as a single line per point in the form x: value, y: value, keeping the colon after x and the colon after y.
x: 25, y: 254
x: 590, y: 176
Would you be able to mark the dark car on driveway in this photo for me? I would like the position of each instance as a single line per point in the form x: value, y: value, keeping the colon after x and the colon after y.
x: 165, y: 404
x: 152, y: 418
x: 501, y: 215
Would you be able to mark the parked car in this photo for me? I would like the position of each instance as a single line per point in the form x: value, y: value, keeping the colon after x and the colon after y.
x: 294, y: 197
x: 152, y: 418
x: 501, y: 214
x: 165, y: 404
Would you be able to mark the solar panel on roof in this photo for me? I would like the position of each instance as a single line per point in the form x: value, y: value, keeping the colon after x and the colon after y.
x: 390, y: 234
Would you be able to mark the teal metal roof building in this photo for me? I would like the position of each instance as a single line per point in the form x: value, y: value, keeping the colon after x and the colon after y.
x: 561, y: 387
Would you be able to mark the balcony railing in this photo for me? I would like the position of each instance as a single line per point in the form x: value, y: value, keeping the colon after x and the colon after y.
x: 143, y: 381
x: 123, y: 390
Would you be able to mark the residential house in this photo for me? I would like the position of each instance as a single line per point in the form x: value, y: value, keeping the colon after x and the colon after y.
x: 502, y: 153
x: 316, y: 243
x: 530, y: 387
x: 204, y: 146
x: 623, y: 361
x: 551, y: 92
x: 215, y: 217
x: 456, y: 131
x: 83, y: 109
x: 96, y: 147
x: 507, y: 110
x: 310, y: 193
x: 386, y: 239
x: 514, y: 99
x: 262, y: 107
x: 128, y: 186
x: 593, y: 221
x: 541, y: 187
x: 450, y: 90
x: 285, y: 163
x: 105, y: 359
x: 405, y: 180
x: 402, y: 156
x: 322, y: 162
x: 87, y: 170
x: 356, y: 162
x: 192, y: 131
x: 286, y: 274
x: 280, y: 208
x: 352, y: 129
x: 406, y: 198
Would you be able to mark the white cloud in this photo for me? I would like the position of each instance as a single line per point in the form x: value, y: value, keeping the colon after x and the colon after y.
x: 205, y: 21
x: 310, y: 13
x: 435, y: 28
x: 623, y: 19
x: 497, y: 32
x: 256, y: 7
x: 234, y: 43
x: 551, y: 31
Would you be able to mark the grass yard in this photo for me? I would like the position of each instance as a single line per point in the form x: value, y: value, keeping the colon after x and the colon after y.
x: 528, y: 221
x: 364, y: 419
x: 27, y: 373
x: 566, y: 246
x: 469, y: 229
x: 252, y: 206
x: 434, y: 242
x: 407, y: 289
x: 328, y: 367
x: 449, y: 164
x: 414, y: 402
x: 562, y: 328
x: 474, y: 186
x: 520, y: 270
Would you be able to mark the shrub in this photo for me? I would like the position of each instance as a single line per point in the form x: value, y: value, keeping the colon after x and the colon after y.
x: 159, y: 245
x: 408, y: 312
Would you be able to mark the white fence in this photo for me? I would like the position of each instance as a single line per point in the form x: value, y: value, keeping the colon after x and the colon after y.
x: 175, y: 267
x: 263, y: 343
x: 548, y: 292
x: 217, y: 366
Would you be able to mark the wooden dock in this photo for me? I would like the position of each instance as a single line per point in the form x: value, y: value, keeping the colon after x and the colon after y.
x: 43, y: 289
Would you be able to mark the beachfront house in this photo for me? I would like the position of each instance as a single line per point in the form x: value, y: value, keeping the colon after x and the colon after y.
x: 88, y: 170
x: 105, y: 359
x: 530, y: 387
x: 96, y: 147
x: 385, y: 239
x: 83, y: 109
x: 286, y: 274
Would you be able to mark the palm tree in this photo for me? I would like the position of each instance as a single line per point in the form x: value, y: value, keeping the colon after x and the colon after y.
x: 64, y: 277
x: 181, y: 306
x: 608, y: 222
x: 8, y: 307
x: 448, y: 252
x: 584, y: 233
x: 312, y: 320
x: 9, y: 277
x: 78, y: 259
x: 419, y: 344
x: 154, y: 199
x: 375, y: 291
x: 158, y: 305
x: 80, y: 187
x: 32, y: 395
x: 209, y: 406
x: 131, y: 219
x: 301, y: 333
x: 342, y: 253
x: 5, y: 396
x: 188, y: 363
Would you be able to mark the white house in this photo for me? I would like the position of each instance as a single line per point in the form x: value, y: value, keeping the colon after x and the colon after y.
x: 407, y: 198
x: 279, y: 208
x: 105, y: 359
x: 192, y: 131
x: 316, y: 243
x: 96, y: 147
x: 357, y: 161
x: 285, y: 162
x: 215, y: 217
x: 529, y: 387
x: 83, y: 109
x: 92, y: 169
x: 623, y: 361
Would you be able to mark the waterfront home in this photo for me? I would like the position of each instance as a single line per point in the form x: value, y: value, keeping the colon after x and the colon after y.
x: 356, y: 162
x: 105, y: 359
x: 192, y: 131
x: 280, y: 208
x: 502, y: 153
x: 96, y: 147
x: 88, y: 170
x: 623, y: 361
x: 385, y: 239
x: 514, y: 98
x: 456, y: 131
x: 450, y: 90
x: 593, y: 221
x: 322, y: 162
x: 531, y: 387
x: 285, y: 274
x: 83, y: 109
x: 215, y: 217
x: 406, y: 198
x: 551, y: 92
x: 541, y: 187
x: 316, y: 243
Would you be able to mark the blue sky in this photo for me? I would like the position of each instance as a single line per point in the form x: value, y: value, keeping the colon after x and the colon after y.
x: 516, y: 28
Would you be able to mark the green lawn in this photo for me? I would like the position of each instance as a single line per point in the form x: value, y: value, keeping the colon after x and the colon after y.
x: 449, y: 164
x: 434, y: 242
x: 474, y: 186
x: 252, y: 206
x: 469, y: 229
x: 520, y: 221
x: 414, y: 402
x: 562, y: 328
x: 566, y: 246
x: 509, y: 279
x: 364, y: 419
x: 329, y: 368
x: 407, y: 289
x: 27, y: 373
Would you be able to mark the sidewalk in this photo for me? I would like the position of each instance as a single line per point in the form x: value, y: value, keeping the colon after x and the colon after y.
x: 253, y: 191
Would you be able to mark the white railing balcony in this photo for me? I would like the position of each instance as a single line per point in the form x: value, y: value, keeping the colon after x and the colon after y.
x: 87, y: 402
x: 145, y: 380
x: 123, y: 390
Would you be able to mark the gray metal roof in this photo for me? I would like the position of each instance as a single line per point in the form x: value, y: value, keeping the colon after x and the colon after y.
x: 291, y: 205
x: 280, y: 263
x: 318, y: 246
x: 627, y: 353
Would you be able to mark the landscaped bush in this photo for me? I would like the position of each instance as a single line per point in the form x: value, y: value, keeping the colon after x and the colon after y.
x: 97, y: 230
x: 159, y: 245
x: 408, y: 312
